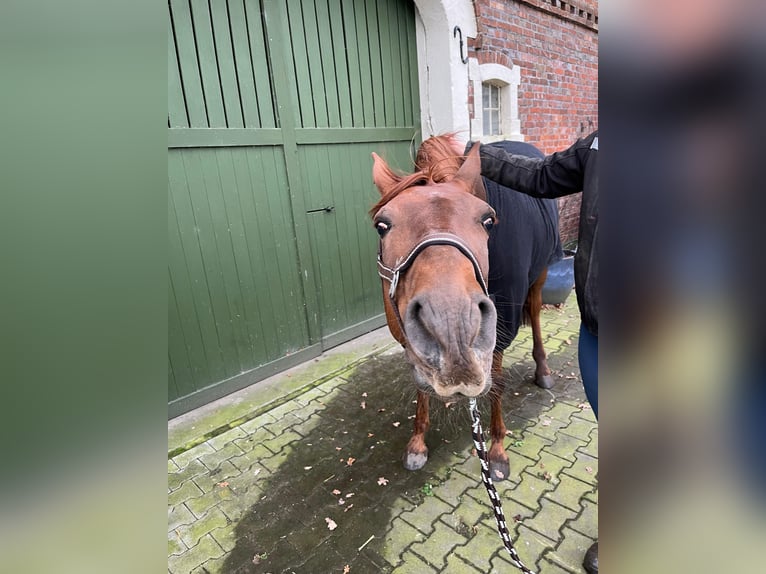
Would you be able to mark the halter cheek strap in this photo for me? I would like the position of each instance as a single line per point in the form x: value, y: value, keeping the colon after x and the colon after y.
x: 392, y: 274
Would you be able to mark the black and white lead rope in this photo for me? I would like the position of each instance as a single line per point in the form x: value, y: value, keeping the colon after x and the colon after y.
x: 497, y: 507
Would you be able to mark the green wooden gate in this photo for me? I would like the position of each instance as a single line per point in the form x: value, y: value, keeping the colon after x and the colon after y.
x: 274, y: 107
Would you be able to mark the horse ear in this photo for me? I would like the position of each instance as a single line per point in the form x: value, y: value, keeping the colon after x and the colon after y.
x: 382, y: 175
x: 469, y: 174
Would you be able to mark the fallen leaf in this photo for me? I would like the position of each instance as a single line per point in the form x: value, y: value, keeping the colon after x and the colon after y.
x: 363, y: 404
x: 349, y: 495
x: 370, y: 435
x: 382, y: 481
x: 346, y: 569
x: 307, y: 468
x: 256, y: 472
x: 341, y: 501
x: 351, y: 460
x: 223, y: 484
x: 396, y: 424
x: 499, y: 475
x: 338, y: 448
x: 588, y: 469
x: 349, y: 507
x: 410, y: 417
x: 546, y: 423
x: 331, y: 523
x: 336, y: 492
x: 381, y: 410
x: 364, y: 394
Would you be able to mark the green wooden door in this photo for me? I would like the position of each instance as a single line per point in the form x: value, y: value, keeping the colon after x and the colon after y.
x: 273, y: 110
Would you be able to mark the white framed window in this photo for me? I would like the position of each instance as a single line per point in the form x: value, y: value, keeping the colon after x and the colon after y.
x: 490, y: 108
x: 496, y: 103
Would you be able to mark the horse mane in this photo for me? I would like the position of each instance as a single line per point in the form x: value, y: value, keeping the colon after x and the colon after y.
x: 436, y: 162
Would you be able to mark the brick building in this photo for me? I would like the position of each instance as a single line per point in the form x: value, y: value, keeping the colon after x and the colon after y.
x: 527, y: 70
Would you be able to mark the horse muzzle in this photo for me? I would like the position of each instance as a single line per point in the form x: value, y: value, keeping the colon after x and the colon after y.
x: 450, y: 344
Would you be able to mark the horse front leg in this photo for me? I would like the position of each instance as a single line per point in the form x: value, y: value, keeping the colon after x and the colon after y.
x: 499, y: 467
x: 543, y: 378
x: 416, y: 454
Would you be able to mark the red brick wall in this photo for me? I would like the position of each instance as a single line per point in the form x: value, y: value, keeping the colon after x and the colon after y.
x: 555, y: 45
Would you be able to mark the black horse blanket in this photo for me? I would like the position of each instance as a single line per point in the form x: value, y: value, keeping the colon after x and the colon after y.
x: 525, y: 241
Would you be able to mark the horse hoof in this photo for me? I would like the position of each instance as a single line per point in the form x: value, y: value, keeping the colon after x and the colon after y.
x: 415, y: 460
x: 499, y: 470
x: 544, y: 382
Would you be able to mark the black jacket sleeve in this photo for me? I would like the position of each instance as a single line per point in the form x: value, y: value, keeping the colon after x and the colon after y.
x: 558, y: 174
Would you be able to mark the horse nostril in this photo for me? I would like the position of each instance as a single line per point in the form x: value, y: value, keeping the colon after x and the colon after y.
x: 488, y: 322
x: 419, y: 324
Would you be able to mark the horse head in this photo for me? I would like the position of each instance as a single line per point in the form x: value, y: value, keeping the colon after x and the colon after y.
x: 433, y: 259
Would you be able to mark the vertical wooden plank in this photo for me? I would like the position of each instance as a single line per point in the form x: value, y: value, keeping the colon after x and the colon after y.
x: 376, y: 65
x: 244, y: 65
x: 352, y: 57
x: 365, y: 68
x: 259, y: 307
x: 221, y: 199
x: 172, y: 387
x: 208, y: 65
x: 268, y: 226
x: 338, y: 37
x: 217, y: 256
x: 397, y: 65
x: 176, y: 106
x: 188, y: 276
x: 314, y: 52
x: 226, y: 65
x: 365, y: 195
x: 260, y: 64
x: 183, y: 377
x: 405, y: 59
x: 299, y: 59
x: 205, y: 269
x: 346, y: 195
x: 288, y: 261
x: 412, y: 51
x: 329, y: 65
x: 324, y: 238
x: 387, y: 69
x: 187, y: 60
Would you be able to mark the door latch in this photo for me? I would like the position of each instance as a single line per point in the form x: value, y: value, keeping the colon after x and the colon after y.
x: 327, y: 209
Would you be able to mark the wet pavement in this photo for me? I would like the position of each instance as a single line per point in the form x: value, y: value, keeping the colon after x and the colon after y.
x: 302, y: 473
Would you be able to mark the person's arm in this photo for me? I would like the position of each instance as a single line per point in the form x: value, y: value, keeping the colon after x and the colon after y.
x: 556, y: 175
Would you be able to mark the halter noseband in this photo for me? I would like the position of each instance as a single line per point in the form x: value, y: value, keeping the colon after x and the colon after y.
x: 392, y: 274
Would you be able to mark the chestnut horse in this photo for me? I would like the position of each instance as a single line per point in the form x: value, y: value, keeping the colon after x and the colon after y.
x: 434, y: 259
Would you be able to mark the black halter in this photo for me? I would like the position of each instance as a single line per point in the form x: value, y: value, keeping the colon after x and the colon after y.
x: 392, y: 274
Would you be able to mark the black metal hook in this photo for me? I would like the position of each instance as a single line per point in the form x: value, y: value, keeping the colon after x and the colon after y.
x: 455, y: 31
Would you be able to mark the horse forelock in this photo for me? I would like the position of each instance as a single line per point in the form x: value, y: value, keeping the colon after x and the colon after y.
x: 436, y: 162
x: 437, y: 157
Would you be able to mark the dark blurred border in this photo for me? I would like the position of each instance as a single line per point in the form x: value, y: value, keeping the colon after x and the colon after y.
x: 83, y: 291
x: 683, y: 423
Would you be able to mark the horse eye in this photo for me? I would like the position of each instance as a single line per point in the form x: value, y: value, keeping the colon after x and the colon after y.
x: 488, y: 223
x: 382, y: 228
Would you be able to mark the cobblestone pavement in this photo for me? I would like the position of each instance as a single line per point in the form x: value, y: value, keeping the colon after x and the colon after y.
x: 316, y: 485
